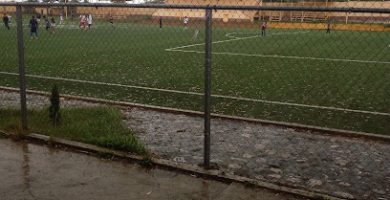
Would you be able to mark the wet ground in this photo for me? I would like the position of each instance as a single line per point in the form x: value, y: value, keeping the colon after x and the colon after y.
x: 340, y: 166
x: 36, y: 172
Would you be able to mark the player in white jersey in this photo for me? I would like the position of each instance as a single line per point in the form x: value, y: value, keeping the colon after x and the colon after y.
x: 185, y: 21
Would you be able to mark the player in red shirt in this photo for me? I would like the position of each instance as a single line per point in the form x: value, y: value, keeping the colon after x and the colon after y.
x: 263, y: 28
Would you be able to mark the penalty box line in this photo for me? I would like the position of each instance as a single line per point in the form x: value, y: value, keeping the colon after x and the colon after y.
x: 216, y: 42
x: 201, y: 94
x: 281, y: 56
x: 233, y: 38
x: 231, y: 35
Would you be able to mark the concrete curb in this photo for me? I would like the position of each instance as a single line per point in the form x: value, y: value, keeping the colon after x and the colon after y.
x: 170, y: 165
x: 302, y: 127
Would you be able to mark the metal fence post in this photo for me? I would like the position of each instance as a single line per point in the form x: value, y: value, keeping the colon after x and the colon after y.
x: 22, y: 77
x: 207, y: 89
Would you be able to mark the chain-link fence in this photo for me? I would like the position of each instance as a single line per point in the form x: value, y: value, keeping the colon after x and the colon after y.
x: 316, y: 63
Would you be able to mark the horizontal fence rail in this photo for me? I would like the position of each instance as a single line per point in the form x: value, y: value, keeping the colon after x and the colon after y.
x: 293, y: 66
x: 214, y: 7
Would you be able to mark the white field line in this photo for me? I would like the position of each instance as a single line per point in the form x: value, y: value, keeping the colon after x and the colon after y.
x: 231, y: 35
x: 283, y: 57
x: 201, y: 94
x: 102, y: 83
x: 216, y: 42
x: 234, y: 38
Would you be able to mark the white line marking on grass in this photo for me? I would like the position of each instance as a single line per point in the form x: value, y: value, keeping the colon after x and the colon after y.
x: 302, y: 105
x: 231, y: 35
x: 233, y: 39
x: 201, y: 94
x: 102, y: 83
x: 216, y: 42
x: 281, y: 56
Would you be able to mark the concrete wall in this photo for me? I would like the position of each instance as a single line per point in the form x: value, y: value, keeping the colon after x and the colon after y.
x: 7, y: 9
x: 221, y: 14
x: 323, y: 26
x: 237, y: 15
x: 116, y: 12
x: 362, y: 4
x: 250, y: 15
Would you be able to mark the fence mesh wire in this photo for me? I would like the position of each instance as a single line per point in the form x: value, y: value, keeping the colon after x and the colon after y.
x: 326, y: 69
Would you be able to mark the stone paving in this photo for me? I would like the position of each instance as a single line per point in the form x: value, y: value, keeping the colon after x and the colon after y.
x: 12, y: 99
x: 350, y: 168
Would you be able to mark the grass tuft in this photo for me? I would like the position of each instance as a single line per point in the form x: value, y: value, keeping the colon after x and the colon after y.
x: 100, y: 126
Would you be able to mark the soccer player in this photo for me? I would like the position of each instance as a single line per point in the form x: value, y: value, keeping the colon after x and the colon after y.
x: 61, y: 19
x: 185, y: 21
x: 196, y: 33
x: 328, y: 26
x: 111, y: 20
x: 47, y: 23
x: 38, y: 17
x: 160, y: 20
x: 263, y: 28
x: 89, y: 20
x: 33, y: 28
x: 83, y: 21
x: 53, y: 24
x: 6, y: 21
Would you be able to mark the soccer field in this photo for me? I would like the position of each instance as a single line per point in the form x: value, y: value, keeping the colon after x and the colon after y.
x: 338, y: 80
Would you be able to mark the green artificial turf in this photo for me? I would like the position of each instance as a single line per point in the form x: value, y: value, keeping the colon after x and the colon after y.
x: 286, y: 66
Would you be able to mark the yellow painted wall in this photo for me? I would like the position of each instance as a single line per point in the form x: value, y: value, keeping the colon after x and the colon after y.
x: 7, y: 9
x: 117, y: 12
x: 357, y: 27
x: 219, y: 14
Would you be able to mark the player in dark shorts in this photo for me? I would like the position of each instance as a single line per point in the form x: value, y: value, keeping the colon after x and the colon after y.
x: 6, y: 21
x: 112, y: 21
x: 53, y: 24
x: 328, y: 26
x: 47, y: 23
x: 263, y: 28
x: 33, y: 27
x: 160, y: 20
